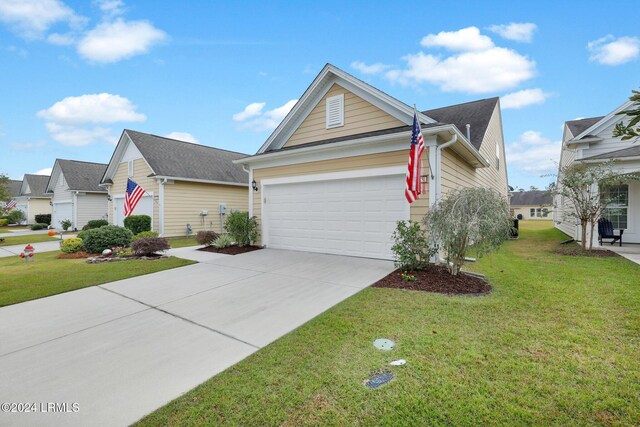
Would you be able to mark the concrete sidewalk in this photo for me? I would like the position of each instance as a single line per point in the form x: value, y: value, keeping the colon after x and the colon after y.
x: 123, y: 349
x: 13, y: 250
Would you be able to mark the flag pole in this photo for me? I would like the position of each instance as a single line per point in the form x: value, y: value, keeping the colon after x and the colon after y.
x: 415, y: 111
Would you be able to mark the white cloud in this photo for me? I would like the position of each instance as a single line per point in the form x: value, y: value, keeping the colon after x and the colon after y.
x: 376, y: 68
x: 118, y: 40
x: 465, y: 39
x: 611, y: 51
x: 94, y: 108
x: 482, y: 71
x: 182, y: 136
x: 73, y: 120
x: 45, y: 171
x: 252, y: 117
x: 27, y: 146
x: 111, y: 7
x: 517, y: 31
x: 61, y: 39
x: 533, y: 153
x: 32, y: 18
x: 523, y: 98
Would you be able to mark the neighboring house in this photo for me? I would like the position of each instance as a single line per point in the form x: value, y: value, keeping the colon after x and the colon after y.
x: 535, y: 204
x: 14, y: 191
x: 591, y: 141
x: 185, y: 183
x: 77, y: 196
x: 331, y: 177
x: 33, y: 199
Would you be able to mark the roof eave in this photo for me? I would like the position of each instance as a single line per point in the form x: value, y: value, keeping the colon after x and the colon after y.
x: 204, y: 181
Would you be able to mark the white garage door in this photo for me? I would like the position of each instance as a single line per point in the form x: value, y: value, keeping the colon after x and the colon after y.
x: 61, y: 212
x: 347, y: 216
x: 144, y: 207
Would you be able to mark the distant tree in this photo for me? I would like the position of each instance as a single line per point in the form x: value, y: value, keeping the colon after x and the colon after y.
x: 4, y: 188
x: 632, y: 129
x: 533, y: 188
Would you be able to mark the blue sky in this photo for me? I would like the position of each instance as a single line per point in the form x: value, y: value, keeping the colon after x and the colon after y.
x: 73, y: 74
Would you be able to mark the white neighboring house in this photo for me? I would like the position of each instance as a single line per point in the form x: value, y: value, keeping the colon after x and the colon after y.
x: 77, y: 196
x: 591, y: 141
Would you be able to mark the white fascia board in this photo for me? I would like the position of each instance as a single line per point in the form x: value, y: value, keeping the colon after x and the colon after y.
x: 468, y: 148
x: 604, y: 122
x: 205, y: 181
x: 118, y: 153
x: 332, y: 176
x: 55, y: 175
x: 617, y: 159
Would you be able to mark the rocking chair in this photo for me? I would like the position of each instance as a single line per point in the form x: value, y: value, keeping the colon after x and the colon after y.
x: 605, y: 231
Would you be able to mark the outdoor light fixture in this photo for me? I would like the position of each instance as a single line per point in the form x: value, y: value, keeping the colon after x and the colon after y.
x: 254, y: 185
x: 109, y: 198
x: 50, y: 202
x: 424, y: 179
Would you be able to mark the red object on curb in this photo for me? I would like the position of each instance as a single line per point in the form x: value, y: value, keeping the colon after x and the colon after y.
x: 21, y: 254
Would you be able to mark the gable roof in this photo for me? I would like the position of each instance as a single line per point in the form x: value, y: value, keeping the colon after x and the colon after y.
x: 576, y: 127
x: 172, y: 158
x: 81, y: 176
x: 531, y: 198
x: 37, y: 184
x: 14, y: 187
x: 475, y: 113
x: 633, y: 151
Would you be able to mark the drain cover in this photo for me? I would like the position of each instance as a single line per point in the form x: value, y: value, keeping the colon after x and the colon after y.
x: 384, y: 344
x: 379, y: 380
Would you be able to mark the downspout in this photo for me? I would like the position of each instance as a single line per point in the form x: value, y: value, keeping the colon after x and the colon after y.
x: 438, y: 159
x: 162, y: 182
x: 74, y: 210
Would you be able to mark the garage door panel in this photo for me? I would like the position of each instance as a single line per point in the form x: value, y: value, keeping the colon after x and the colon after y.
x: 348, y: 216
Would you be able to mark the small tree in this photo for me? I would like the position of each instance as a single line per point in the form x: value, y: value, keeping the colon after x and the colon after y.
x: 628, y: 131
x: 16, y: 216
x: 584, y: 185
x: 466, y: 217
x: 5, y: 191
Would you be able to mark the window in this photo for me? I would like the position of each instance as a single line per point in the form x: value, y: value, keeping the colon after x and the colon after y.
x: 617, y: 209
x: 130, y: 168
x: 335, y: 111
x: 532, y: 212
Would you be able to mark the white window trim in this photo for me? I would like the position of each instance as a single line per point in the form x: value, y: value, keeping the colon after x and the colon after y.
x: 329, y: 101
x: 628, y: 207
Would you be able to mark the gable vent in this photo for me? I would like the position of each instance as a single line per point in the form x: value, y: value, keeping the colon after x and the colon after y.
x: 335, y: 111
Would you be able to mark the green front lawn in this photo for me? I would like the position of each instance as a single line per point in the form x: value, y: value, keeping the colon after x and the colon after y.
x: 181, y: 242
x: 21, y: 281
x: 555, y: 343
x: 24, y: 240
x: 7, y: 229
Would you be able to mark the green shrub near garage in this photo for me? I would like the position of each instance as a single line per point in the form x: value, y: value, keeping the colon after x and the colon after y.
x: 43, y: 219
x: 3, y: 222
x: 95, y: 223
x: 35, y: 227
x: 110, y: 236
x: 71, y: 245
x: 144, y: 235
x: 138, y: 223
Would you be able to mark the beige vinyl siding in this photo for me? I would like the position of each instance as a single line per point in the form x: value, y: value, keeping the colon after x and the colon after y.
x: 38, y: 207
x: 394, y: 158
x: 141, y: 172
x: 89, y: 207
x: 359, y: 116
x: 183, y: 202
x: 457, y: 173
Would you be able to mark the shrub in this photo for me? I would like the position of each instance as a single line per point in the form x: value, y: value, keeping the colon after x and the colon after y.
x: 411, y: 249
x: 206, y: 237
x: 35, y: 227
x: 149, y: 245
x: 71, y: 245
x: 223, y: 241
x: 66, y: 224
x: 138, y: 223
x: 243, y: 230
x: 81, y: 234
x: 43, y: 219
x: 95, y: 223
x: 16, y: 217
x: 98, y: 239
x: 470, y: 216
x: 3, y: 222
x: 144, y: 234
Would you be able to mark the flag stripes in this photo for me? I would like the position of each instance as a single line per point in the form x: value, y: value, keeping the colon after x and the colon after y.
x: 132, y: 197
x: 414, y: 185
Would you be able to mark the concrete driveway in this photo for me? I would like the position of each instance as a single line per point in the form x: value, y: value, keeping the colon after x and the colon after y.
x: 123, y: 349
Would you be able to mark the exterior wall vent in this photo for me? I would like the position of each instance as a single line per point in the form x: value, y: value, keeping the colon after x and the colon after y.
x: 335, y: 111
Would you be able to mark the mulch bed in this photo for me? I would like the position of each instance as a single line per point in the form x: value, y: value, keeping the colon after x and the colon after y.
x: 76, y: 255
x: 436, y: 278
x: 231, y: 250
x: 576, y: 250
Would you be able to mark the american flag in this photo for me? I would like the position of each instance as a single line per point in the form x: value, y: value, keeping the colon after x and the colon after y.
x: 133, y: 196
x: 11, y: 204
x: 414, y: 186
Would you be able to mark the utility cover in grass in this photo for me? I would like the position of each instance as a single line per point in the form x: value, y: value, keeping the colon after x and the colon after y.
x: 378, y: 380
x: 384, y: 344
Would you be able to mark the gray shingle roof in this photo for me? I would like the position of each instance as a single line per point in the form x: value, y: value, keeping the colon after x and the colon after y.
x: 180, y: 159
x: 578, y: 126
x: 37, y: 185
x: 618, y: 154
x: 14, y: 187
x: 531, y: 198
x: 475, y: 113
x: 82, y: 176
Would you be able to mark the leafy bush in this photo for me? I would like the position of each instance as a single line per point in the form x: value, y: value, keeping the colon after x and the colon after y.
x: 243, y: 230
x: 71, y: 245
x: 206, y: 237
x: 149, y: 245
x: 43, y: 219
x: 95, y: 223
x: 81, y: 234
x: 98, y: 239
x: 66, y: 224
x: 138, y: 223
x: 144, y: 234
x: 35, y: 227
x: 411, y: 248
x: 3, y: 222
x: 223, y: 241
x: 470, y: 216
x: 16, y: 217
